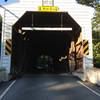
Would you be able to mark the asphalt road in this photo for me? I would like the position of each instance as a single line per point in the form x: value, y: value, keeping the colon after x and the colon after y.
x: 48, y: 87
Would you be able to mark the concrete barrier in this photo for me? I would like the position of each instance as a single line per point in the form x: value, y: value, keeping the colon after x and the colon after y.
x: 1, y: 76
x: 4, y: 76
x: 93, y: 75
x: 80, y: 73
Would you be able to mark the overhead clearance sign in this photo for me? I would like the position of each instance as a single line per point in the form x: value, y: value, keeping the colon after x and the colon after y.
x: 48, y: 6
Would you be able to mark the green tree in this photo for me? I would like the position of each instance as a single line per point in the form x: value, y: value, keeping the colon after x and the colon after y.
x: 0, y: 18
x: 96, y: 19
x: 91, y: 3
x: 0, y: 23
x: 96, y: 50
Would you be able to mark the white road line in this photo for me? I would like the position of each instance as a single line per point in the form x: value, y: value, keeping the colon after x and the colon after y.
x: 6, y: 90
x: 96, y: 93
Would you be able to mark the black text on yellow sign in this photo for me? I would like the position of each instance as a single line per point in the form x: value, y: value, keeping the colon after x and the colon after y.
x: 85, y: 47
x: 8, y: 47
x: 48, y: 8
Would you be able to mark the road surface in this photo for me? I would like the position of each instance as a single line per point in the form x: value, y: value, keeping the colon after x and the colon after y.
x: 49, y: 87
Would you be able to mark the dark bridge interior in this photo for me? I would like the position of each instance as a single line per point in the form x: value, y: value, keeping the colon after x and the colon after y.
x: 29, y: 45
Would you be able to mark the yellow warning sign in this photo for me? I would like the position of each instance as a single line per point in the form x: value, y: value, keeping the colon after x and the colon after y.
x: 86, y: 47
x: 8, y: 47
x: 48, y: 8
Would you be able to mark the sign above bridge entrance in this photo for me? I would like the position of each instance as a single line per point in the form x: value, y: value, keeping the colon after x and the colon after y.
x: 48, y: 6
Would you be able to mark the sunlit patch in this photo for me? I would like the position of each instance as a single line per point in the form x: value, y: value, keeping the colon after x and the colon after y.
x: 63, y: 86
x: 93, y: 78
x: 50, y: 83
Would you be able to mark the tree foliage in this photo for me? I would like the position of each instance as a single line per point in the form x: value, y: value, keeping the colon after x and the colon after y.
x: 96, y: 50
x: 0, y: 19
x: 91, y: 3
x: 96, y: 19
x: 0, y: 23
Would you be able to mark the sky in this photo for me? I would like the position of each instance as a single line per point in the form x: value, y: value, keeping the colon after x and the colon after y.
x: 9, y: 1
